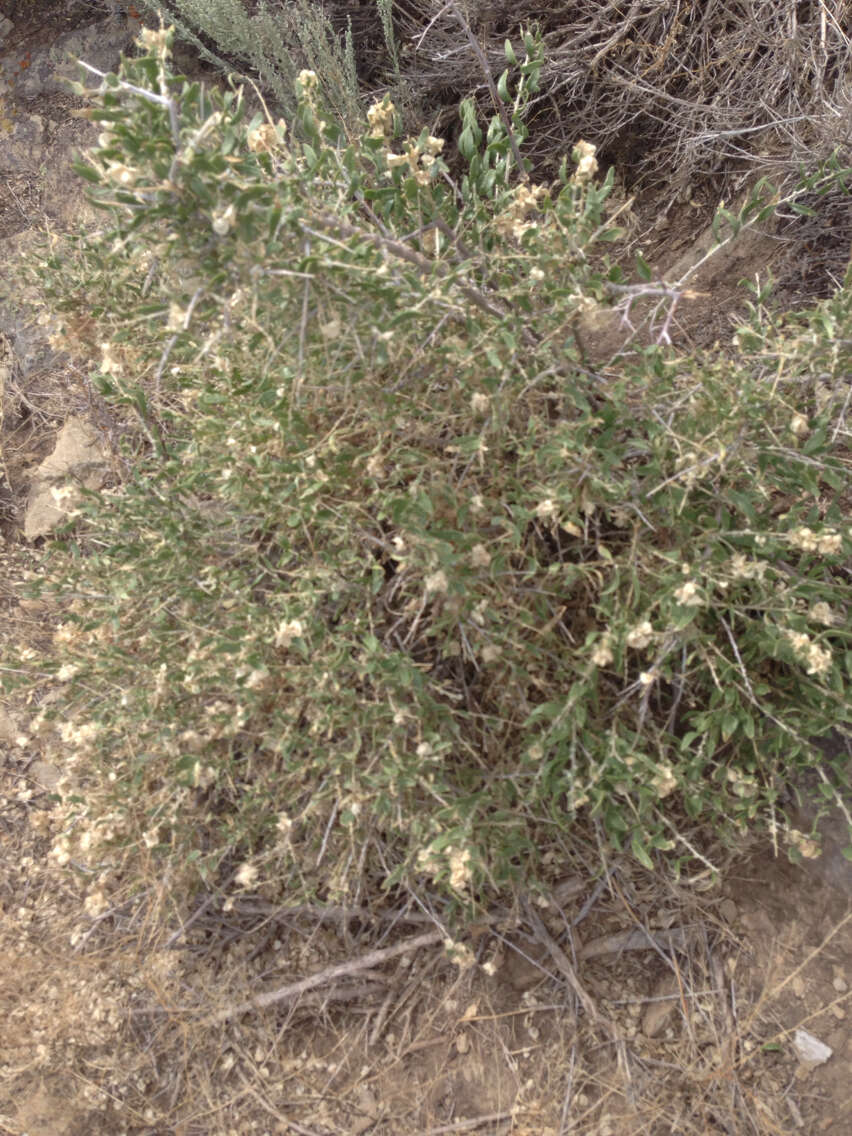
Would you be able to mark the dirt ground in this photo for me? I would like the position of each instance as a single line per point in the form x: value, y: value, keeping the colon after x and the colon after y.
x: 627, y: 1005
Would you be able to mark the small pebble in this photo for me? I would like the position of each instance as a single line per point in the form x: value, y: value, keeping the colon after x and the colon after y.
x: 728, y: 910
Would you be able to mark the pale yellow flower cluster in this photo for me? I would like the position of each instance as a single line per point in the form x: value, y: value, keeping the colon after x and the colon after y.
x: 380, y: 117
x: 375, y: 466
x: 460, y: 954
x: 288, y: 631
x: 480, y: 557
x: 827, y: 543
x: 688, y: 595
x: 457, y: 859
x: 602, y: 654
x: 156, y: 40
x: 224, y: 219
x: 742, y: 569
x: 95, y: 903
x: 817, y: 659
x: 436, y: 582
x: 418, y: 157
x: 110, y: 362
x: 822, y: 613
x: 263, y: 138
x: 807, y: 847
x: 120, y: 174
x: 514, y: 220
x: 587, y: 163
x: 743, y: 784
x: 308, y: 80
x: 640, y: 636
x: 664, y: 780
x: 460, y: 873
x: 547, y: 510
x: 246, y: 875
x: 81, y: 738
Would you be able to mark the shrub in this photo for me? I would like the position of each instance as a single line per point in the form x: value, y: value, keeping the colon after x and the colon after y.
x: 398, y: 586
x: 275, y: 43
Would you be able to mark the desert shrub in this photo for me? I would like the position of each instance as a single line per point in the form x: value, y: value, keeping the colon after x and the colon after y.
x: 667, y: 91
x: 274, y: 42
x: 399, y: 587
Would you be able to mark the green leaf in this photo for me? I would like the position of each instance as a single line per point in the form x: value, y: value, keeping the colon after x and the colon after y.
x: 510, y: 53
x: 466, y: 145
x: 730, y: 724
x: 643, y: 267
x: 641, y: 852
x: 84, y: 170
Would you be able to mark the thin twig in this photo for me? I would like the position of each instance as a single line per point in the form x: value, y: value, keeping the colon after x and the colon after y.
x: 330, y: 974
x: 563, y: 963
x: 199, y: 911
x: 468, y: 1125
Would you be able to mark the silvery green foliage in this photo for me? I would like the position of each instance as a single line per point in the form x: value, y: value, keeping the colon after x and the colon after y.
x: 401, y: 587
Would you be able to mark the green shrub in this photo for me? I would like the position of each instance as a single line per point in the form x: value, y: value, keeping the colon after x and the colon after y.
x: 275, y: 42
x: 398, y: 587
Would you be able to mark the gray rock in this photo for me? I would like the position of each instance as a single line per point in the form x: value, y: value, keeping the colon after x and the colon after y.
x: 99, y: 45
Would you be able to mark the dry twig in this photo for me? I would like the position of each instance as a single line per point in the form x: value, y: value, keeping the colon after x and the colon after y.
x: 341, y: 970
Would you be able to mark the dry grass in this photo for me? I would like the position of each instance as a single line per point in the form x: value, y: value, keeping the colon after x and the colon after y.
x: 661, y: 1009
x: 674, y: 91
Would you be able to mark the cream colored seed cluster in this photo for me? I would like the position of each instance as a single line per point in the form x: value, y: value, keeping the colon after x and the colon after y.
x: 380, y: 117
x: 688, y: 595
x: 742, y: 569
x: 602, y: 654
x: 816, y: 659
x: 822, y: 613
x: 664, y: 780
x: 453, y: 857
x: 419, y: 157
x: 807, y: 847
x: 265, y: 137
x: 640, y: 636
x: 587, y: 163
x: 514, y: 221
x: 827, y: 543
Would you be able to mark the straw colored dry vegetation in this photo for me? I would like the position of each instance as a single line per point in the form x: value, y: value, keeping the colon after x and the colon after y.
x: 418, y: 639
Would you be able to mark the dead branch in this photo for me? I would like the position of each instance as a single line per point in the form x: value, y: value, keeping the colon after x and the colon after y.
x: 563, y: 963
x: 330, y: 974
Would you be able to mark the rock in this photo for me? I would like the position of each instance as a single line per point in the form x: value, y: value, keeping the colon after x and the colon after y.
x: 728, y: 910
x: 657, y: 1014
x: 100, y: 45
x: 77, y: 461
x: 9, y: 727
x: 45, y: 775
x: 24, y: 147
x: 809, y: 1049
